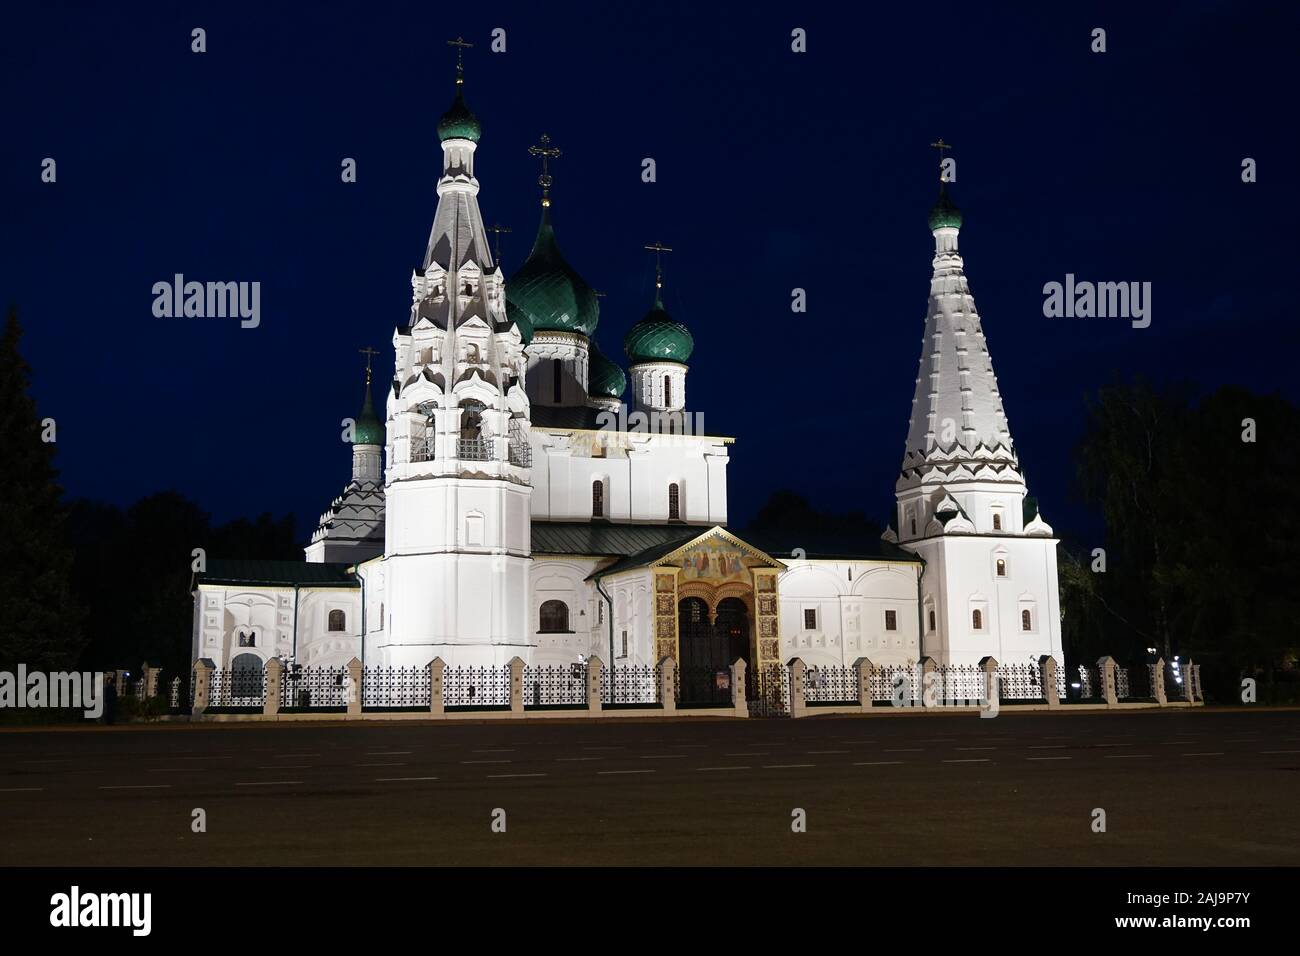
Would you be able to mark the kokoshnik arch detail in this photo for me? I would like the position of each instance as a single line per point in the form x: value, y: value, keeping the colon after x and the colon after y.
x: 490, y: 516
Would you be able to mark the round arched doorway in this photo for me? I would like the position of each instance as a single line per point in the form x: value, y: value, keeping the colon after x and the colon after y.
x: 708, y: 644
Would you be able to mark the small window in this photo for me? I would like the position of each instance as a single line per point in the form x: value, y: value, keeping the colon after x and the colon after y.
x: 600, y: 612
x: 598, y: 499
x: 932, y: 619
x: 553, y: 618
x: 1002, y: 568
x: 977, y: 620
x: 625, y: 643
x: 668, y: 391
x: 247, y: 640
x: 891, y: 620
x: 674, y: 503
x: 810, y: 619
x: 997, y: 521
x: 557, y: 380
x: 338, y: 622
x: 1026, y: 620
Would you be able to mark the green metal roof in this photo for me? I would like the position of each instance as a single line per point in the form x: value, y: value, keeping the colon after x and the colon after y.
x: 658, y: 338
x: 271, y: 573
x: 458, y: 122
x: 547, y: 290
x: 604, y: 378
x: 601, y: 539
x: 369, y: 430
x: 944, y: 213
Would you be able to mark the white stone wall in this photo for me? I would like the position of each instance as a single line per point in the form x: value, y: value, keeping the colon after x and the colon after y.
x: 850, y: 600
x: 267, y: 614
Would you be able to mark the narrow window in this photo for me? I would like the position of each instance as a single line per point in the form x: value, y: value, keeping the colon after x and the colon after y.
x: 598, y: 499
x: 625, y: 643
x: 668, y: 391
x: 557, y: 380
x: 891, y: 620
x: 1002, y: 568
x: 810, y: 619
x: 338, y: 622
x: 674, y: 503
x: 600, y: 613
x: 553, y: 617
x: 932, y: 619
x: 997, y: 521
x: 977, y: 620
x: 1026, y: 622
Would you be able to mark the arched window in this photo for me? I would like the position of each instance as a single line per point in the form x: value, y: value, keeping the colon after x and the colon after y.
x: 977, y: 620
x: 997, y: 521
x: 557, y: 380
x: 553, y: 618
x: 338, y: 621
x: 1026, y: 620
x: 471, y: 420
x: 598, y: 499
x: 248, y: 639
x: 1002, y: 568
x: 668, y: 391
x: 674, y: 502
x: 932, y: 619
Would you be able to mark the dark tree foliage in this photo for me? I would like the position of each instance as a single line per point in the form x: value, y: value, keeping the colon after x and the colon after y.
x: 134, y: 573
x: 1201, y: 532
x: 788, y: 520
x: 40, y: 622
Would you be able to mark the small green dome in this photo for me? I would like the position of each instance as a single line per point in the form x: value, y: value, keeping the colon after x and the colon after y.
x: 658, y: 338
x: 604, y: 378
x: 369, y: 429
x: 458, y: 122
x: 944, y: 213
x: 520, y: 319
x: 548, y: 293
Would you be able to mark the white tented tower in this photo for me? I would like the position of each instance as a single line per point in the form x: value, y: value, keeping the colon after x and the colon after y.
x: 989, y: 587
x: 457, y: 546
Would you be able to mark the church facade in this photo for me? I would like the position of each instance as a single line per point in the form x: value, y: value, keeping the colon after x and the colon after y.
x: 516, y: 493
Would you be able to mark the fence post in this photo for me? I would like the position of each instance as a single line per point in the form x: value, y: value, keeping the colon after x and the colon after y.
x: 354, y: 696
x: 797, y: 677
x: 928, y: 693
x: 992, y: 686
x: 436, y: 667
x: 738, y: 701
x: 864, y: 668
x: 668, y: 684
x: 1106, y: 674
x: 1047, y: 675
x: 151, y: 675
x: 594, y: 666
x: 202, y: 684
x: 516, y: 685
x: 1158, y: 681
x: 1194, y: 674
x: 274, y: 680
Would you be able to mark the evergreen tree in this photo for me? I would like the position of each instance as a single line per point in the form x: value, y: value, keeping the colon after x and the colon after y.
x: 40, y: 622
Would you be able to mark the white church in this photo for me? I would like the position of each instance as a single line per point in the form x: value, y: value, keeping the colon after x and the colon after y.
x: 517, y: 499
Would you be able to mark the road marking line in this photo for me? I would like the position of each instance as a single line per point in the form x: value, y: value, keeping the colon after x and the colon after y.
x: 395, y: 779
x: 1210, y: 753
x: 786, y: 766
x: 21, y: 789
x: 1049, y: 758
x: 139, y: 786
x: 606, y: 772
x: 702, y: 769
x: 501, y: 776
x: 268, y: 783
x: 968, y: 760
x: 876, y: 763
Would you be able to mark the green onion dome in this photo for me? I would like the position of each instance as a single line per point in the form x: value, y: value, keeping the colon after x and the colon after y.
x: 548, y: 293
x: 658, y: 338
x: 521, y: 321
x: 944, y: 213
x: 604, y: 378
x: 369, y: 429
x: 458, y: 122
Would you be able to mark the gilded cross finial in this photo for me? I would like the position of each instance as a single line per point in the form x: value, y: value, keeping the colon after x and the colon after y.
x: 461, y: 46
x: 496, y: 228
x: 546, y: 151
x: 658, y: 248
x: 369, y: 353
x: 941, y: 146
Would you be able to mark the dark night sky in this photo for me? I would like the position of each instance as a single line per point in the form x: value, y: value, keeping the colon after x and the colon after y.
x: 775, y: 170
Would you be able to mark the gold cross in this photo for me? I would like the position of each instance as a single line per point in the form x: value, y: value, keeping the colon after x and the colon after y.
x: 658, y: 249
x: 461, y: 46
x: 369, y: 353
x: 546, y: 151
x: 941, y: 146
x: 497, y: 228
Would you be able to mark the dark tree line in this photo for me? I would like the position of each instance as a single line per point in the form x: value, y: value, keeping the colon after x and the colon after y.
x: 1202, y: 544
